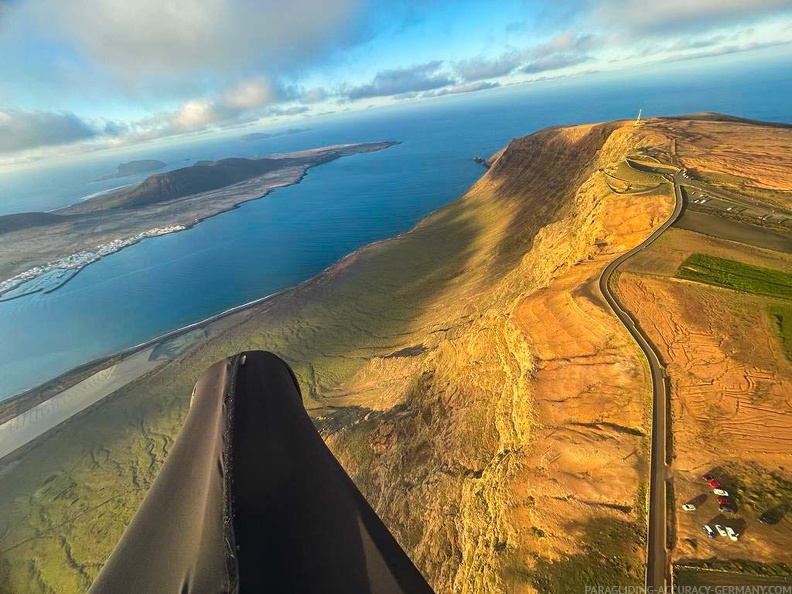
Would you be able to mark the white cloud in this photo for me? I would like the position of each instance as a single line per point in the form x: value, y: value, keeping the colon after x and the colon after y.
x: 462, y: 88
x: 641, y: 17
x: 249, y: 95
x: 194, y: 115
x: 314, y: 95
x: 143, y: 40
x: 22, y: 129
x: 397, y: 81
x: 482, y: 68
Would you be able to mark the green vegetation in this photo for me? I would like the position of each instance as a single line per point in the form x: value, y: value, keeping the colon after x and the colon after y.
x: 170, y: 349
x: 782, y: 319
x: 736, y: 275
x: 650, y: 164
x: 732, y: 573
x: 622, y: 178
x: 759, y: 490
x: 613, y: 561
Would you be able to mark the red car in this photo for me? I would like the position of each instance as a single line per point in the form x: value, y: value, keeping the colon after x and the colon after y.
x: 724, y: 501
x: 715, y: 484
x: 708, y: 477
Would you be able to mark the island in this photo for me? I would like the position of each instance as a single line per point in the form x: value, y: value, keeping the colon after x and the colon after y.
x: 135, y: 167
x: 36, y: 244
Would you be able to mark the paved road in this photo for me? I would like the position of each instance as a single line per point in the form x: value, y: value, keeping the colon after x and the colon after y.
x: 657, y: 556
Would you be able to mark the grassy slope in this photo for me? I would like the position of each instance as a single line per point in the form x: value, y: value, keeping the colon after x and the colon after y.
x: 411, y: 362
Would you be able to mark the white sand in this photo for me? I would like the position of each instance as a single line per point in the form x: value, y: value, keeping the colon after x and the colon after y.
x: 26, y: 427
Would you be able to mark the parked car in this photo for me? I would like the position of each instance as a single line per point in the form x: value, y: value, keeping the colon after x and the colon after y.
x: 715, y: 484
x: 772, y: 516
x: 721, y: 492
x: 724, y: 501
x: 732, y: 534
x: 708, y: 477
x: 710, y: 532
x: 689, y: 507
x: 721, y: 530
x: 727, y: 509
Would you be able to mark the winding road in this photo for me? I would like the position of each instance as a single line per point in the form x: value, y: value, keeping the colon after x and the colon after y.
x: 657, y: 570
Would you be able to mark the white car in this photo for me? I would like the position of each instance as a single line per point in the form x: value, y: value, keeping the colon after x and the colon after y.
x: 721, y: 492
x: 721, y: 530
x: 710, y: 532
x: 732, y: 534
x: 688, y: 507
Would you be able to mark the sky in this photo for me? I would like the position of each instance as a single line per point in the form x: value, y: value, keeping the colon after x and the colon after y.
x: 82, y: 75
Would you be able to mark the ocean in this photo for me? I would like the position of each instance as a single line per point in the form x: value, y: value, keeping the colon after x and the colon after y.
x: 271, y: 244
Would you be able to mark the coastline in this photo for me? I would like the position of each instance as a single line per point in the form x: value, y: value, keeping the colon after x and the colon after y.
x: 76, y: 262
x: 46, y: 245
x: 27, y: 399
x: 76, y: 374
x: 18, y: 404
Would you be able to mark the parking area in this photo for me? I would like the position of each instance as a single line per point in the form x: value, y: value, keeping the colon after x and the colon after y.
x: 718, y: 515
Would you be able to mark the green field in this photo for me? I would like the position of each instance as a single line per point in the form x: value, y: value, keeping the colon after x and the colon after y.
x: 691, y: 577
x: 782, y: 320
x: 736, y: 275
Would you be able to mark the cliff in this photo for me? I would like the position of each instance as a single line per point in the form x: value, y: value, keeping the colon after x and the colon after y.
x: 467, y: 374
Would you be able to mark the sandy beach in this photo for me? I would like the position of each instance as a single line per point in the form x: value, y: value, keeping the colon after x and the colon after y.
x: 36, y: 421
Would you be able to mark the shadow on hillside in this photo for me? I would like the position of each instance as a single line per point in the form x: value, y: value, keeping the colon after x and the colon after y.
x: 540, y: 175
x: 611, y: 557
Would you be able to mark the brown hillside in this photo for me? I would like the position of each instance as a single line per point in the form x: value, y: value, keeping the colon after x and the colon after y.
x: 467, y: 374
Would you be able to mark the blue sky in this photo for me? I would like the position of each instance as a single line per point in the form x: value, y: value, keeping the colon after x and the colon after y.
x: 87, y: 74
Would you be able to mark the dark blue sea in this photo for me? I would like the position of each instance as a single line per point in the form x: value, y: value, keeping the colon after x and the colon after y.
x: 271, y: 244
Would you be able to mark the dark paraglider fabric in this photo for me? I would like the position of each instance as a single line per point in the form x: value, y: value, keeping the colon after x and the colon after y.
x: 251, y: 500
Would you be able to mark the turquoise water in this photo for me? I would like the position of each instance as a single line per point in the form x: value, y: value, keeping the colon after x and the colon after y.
x: 274, y: 243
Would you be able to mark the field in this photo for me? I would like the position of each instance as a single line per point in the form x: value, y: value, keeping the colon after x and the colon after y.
x: 736, y: 275
x: 695, y: 578
x: 781, y: 314
x: 718, y: 310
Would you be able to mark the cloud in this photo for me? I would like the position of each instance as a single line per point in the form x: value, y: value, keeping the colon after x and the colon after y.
x: 717, y: 44
x: 553, y: 62
x: 288, y: 111
x: 714, y: 49
x: 567, y: 43
x: 314, y: 95
x: 462, y: 88
x: 672, y: 16
x: 250, y: 94
x: 22, y: 129
x: 688, y: 43
x: 148, y: 40
x: 564, y: 50
x: 419, y: 77
x: 240, y: 104
x: 483, y: 68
